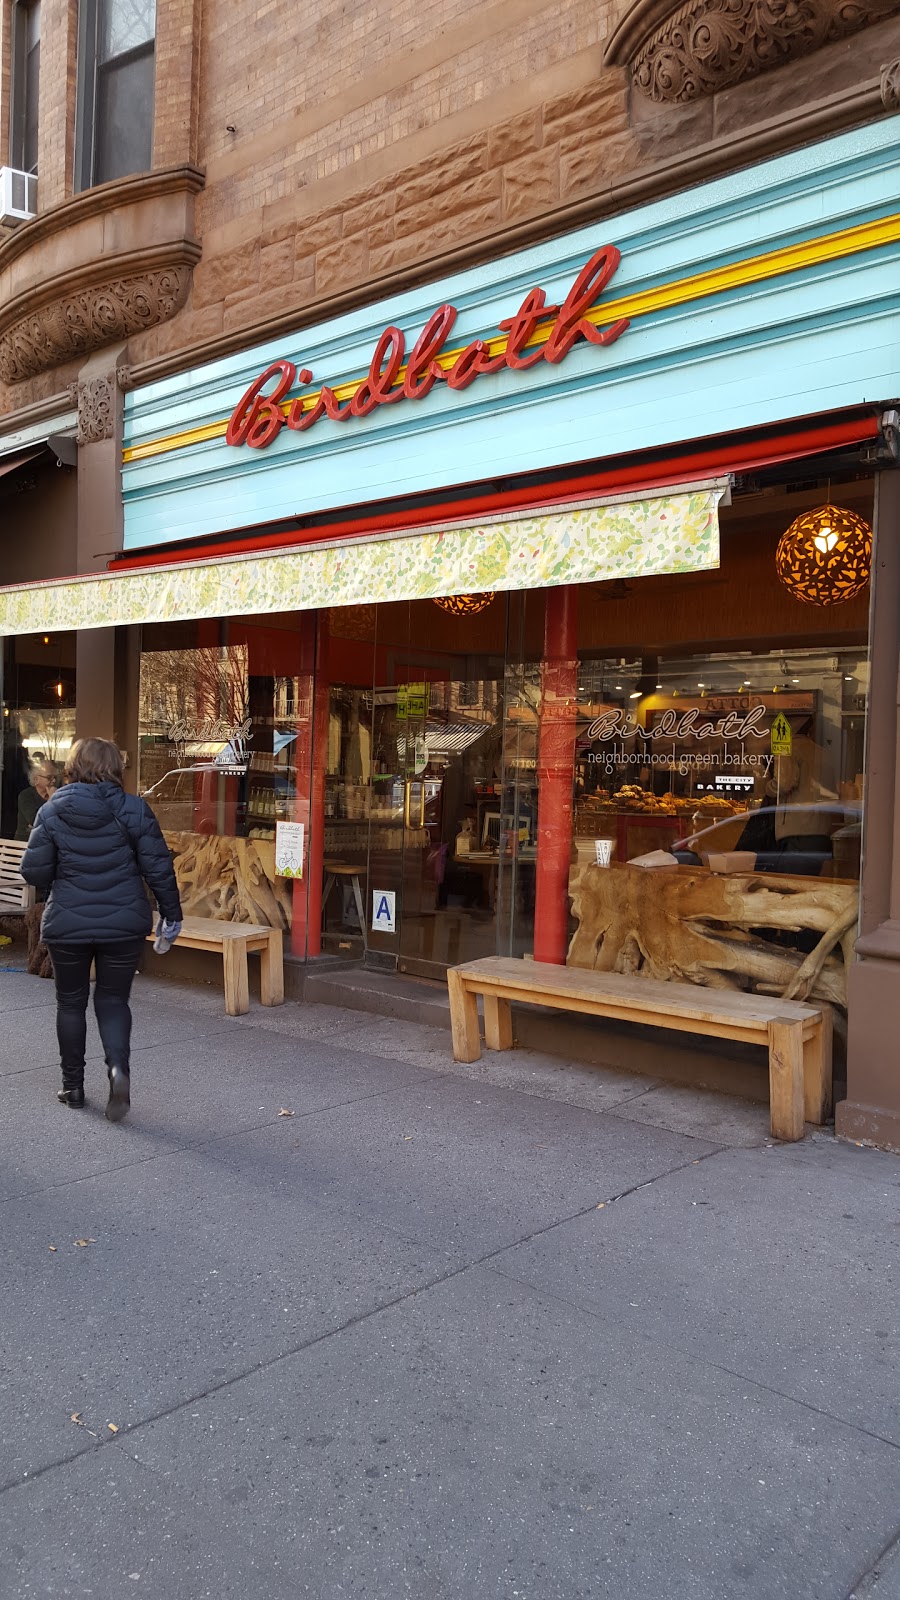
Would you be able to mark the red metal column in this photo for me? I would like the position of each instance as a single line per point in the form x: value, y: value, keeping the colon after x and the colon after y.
x: 304, y: 668
x: 556, y: 774
x: 316, y: 853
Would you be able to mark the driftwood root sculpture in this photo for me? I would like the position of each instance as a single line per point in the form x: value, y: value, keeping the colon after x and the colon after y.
x: 230, y: 879
x: 727, y: 932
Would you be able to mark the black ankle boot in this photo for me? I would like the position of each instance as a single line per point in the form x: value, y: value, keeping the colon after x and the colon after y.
x: 71, y: 1097
x: 119, y: 1094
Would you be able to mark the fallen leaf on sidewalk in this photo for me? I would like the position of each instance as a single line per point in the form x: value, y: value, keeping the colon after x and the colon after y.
x: 283, y: 1112
x: 113, y: 1427
x: 82, y: 1244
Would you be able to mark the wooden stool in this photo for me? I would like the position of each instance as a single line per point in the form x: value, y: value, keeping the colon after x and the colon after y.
x: 340, y: 869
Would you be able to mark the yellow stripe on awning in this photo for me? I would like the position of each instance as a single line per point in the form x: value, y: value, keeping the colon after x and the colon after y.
x: 672, y: 531
x: 790, y: 258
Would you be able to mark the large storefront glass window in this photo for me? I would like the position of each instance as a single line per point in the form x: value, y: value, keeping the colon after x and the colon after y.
x: 717, y: 816
x: 38, y: 724
x: 727, y: 756
x: 718, y: 788
x: 713, y: 824
x: 413, y: 784
x: 224, y: 756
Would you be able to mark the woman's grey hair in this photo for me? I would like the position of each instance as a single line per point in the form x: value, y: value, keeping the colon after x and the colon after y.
x: 95, y: 761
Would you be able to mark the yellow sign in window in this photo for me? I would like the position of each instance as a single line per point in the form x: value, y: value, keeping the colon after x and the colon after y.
x: 781, y: 737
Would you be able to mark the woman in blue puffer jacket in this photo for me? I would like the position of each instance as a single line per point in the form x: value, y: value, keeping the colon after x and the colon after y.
x: 91, y: 851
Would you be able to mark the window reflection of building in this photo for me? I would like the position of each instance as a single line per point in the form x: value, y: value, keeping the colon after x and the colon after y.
x: 224, y: 752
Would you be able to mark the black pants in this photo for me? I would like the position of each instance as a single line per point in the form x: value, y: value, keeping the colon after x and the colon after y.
x: 116, y: 965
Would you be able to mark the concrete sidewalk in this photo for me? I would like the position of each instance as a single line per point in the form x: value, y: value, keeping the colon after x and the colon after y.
x: 370, y: 1324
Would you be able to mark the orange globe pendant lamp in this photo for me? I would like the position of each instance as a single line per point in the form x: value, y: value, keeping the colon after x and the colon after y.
x: 464, y: 605
x: 824, y: 558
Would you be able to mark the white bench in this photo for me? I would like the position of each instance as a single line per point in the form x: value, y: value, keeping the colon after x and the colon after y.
x: 798, y: 1036
x: 235, y: 940
x: 16, y: 896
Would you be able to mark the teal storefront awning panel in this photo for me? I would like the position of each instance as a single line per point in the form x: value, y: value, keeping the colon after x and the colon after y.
x: 760, y: 297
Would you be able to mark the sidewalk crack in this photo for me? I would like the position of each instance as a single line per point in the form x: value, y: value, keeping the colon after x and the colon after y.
x: 715, y: 1366
x: 887, y: 1558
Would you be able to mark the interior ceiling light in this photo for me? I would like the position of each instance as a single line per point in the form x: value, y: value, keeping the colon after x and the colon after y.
x: 464, y: 605
x: 825, y: 556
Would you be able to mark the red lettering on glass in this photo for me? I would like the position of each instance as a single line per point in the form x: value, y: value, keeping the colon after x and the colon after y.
x: 260, y: 414
x: 614, y: 724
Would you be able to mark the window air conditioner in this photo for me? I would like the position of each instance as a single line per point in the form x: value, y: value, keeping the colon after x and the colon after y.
x: 18, y: 196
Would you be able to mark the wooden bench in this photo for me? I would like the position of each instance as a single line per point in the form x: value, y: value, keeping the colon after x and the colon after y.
x: 16, y: 896
x: 798, y: 1036
x: 235, y: 940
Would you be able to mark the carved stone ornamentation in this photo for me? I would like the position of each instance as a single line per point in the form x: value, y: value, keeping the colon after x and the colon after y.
x: 707, y: 45
x: 86, y: 320
x: 96, y: 409
x: 890, y: 86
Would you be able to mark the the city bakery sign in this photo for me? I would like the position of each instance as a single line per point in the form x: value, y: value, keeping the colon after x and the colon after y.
x: 536, y: 332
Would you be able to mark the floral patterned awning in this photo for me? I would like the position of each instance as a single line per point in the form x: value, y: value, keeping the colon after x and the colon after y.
x: 676, y: 531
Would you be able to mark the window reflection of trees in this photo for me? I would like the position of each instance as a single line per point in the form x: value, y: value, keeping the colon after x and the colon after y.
x: 194, y: 686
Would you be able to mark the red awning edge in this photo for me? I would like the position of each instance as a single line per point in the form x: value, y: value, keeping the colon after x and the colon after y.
x: 706, y: 458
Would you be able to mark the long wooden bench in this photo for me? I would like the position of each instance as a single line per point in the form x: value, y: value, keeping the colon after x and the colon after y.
x: 798, y: 1036
x: 235, y: 940
x: 16, y: 896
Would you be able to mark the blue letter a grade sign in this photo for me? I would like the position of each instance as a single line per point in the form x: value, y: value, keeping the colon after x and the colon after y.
x: 384, y: 903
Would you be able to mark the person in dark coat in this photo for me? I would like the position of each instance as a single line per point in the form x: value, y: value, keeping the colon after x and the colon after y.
x: 91, y: 851
x: 42, y: 786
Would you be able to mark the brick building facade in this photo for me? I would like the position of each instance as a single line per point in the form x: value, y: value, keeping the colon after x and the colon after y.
x: 372, y: 146
x: 304, y: 165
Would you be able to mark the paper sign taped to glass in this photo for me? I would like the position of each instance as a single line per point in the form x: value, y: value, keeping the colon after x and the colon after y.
x: 289, y: 849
